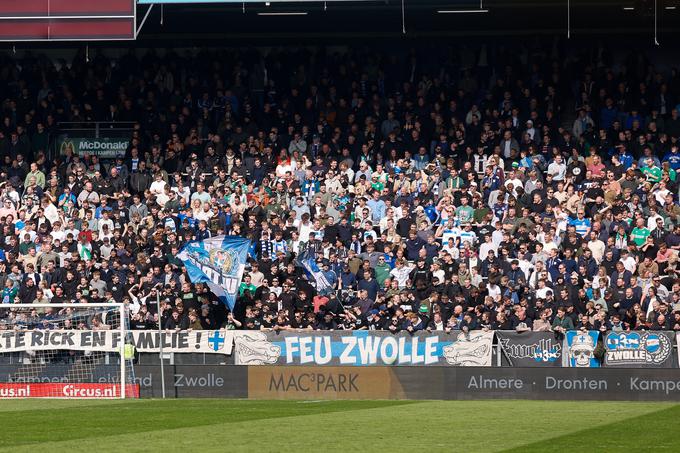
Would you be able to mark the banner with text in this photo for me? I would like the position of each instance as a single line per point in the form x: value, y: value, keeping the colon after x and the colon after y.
x: 108, y: 148
x: 67, y: 390
x: 639, y: 349
x: 363, y: 348
x: 201, y: 341
x: 529, y: 349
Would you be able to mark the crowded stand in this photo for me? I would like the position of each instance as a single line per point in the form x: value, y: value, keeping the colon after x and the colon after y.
x: 502, y: 190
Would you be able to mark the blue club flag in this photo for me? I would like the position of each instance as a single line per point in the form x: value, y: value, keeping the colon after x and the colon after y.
x: 219, y: 262
x: 579, y: 346
x: 308, y: 261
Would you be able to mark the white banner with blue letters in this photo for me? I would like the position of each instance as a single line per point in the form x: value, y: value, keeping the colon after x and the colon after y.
x: 363, y: 348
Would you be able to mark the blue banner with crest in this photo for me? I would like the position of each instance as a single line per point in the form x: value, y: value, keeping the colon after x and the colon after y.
x: 579, y: 349
x: 639, y: 349
x: 219, y: 262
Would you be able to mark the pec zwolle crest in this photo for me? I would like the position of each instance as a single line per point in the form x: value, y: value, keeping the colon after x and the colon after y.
x: 223, y: 260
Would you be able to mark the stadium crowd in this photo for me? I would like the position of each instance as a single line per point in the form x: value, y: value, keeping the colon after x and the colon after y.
x: 496, y: 189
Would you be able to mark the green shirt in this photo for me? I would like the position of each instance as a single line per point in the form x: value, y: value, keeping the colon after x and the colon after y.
x: 565, y: 322
x: 39, y: 179
x: 465, y: 214
x: 245, y: 286
x: 653, y: 174
x: 454, y: 183
x: 639, y: 235
x: 480, y: 214
x: 25, y: 246
x: 382, y: 273
x: 378, y: 186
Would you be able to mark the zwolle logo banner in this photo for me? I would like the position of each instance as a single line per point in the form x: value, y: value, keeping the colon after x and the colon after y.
x: 363, y: 348
x: 641, y: 349
x: 529, y: 349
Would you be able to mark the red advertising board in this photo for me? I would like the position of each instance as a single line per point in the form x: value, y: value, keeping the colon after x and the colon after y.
x: 66, y: 29
x: 82, y: 20
x: 50, y: 8
x: 66, y: 390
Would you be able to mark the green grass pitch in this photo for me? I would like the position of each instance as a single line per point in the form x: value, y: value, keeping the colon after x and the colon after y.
x: 276, y: 426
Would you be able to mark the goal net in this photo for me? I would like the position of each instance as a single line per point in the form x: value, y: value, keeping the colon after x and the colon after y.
x: 66, y: 351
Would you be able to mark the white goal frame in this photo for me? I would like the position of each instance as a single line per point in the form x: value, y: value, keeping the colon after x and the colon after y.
x: 122, y: 329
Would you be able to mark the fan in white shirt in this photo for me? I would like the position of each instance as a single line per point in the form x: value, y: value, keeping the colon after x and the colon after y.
x: 660, y: 193
x: 451, y: 248
x: 494, y: 291
x: 557, y: 168
x: 400, y: 273
x: 438, y: 272
x: 105, y: 224
x: 486, y: 246
x: 597, y: 247
x: 51, y: 212
x: 158, y: 186
x: 305, y: 228
x: 72, y: 231
x: 515, y: 184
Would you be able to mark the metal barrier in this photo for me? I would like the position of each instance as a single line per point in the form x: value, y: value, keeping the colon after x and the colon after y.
x: 94, y: 129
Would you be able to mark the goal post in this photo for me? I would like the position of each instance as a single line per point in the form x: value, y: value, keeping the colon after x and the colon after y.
x: 66, y: 351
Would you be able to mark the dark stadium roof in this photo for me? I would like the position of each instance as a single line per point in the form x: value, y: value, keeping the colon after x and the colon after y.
x: 384, y: 19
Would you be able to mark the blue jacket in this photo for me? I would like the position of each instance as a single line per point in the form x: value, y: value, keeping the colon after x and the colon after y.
x: 413, y: 246
x: 608, y: 116
x: 347, y: 280
x: 673, y: 159
x: 371, y: 287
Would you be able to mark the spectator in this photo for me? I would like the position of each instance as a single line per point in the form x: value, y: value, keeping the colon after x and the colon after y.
x: 445, y: 202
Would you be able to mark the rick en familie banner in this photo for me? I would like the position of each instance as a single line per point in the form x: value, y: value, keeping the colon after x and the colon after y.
x: 184, y: 341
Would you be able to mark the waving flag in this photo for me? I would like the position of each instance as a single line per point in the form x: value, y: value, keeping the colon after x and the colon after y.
x: 307, y: 260
x: 219, y: 262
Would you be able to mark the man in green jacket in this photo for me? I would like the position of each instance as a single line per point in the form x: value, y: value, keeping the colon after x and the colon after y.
x: 562, y: 322
x: 651, y: 171
x: 39, y: 176
x: 640, y: 232
x: 382, y: 271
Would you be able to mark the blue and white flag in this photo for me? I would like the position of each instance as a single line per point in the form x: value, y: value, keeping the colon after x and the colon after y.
x: 219, y: 262
x: 579, y: 349
x: 308, y: 261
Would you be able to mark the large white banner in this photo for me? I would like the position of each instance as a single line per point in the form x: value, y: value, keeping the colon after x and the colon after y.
x: 363, y: 348
x: 206, y: 341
